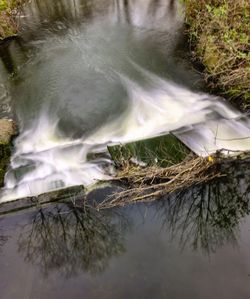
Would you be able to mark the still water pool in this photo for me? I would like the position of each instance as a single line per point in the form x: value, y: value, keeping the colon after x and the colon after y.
x: 194, y: 244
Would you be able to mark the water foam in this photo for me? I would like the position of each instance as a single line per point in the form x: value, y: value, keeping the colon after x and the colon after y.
x: 94, y: 80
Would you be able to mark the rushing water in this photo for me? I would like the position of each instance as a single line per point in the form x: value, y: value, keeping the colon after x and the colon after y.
x: 92, y: 73
x: 85, y: 74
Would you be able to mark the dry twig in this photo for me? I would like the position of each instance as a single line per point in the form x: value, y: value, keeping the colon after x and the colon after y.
x: 150, y: 183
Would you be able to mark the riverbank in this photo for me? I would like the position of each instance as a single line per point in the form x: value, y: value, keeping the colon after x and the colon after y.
x: 219, y: 36
x: 8, y: 17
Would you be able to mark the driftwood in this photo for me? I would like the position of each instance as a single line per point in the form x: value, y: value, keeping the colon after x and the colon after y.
x: 150, y: 183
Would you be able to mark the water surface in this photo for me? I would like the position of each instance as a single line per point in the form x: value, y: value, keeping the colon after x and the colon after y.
x: 85, y: 74
x: 194, y: 244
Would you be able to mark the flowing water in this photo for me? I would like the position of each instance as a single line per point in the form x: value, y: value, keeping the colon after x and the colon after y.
x: 92, y: 73
x: 85, y: 74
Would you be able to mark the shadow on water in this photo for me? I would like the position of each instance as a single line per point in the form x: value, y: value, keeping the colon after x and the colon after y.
x: 6, y: 57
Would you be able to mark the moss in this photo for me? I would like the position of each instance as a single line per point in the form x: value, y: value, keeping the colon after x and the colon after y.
x: 7, y: 130
x: 8, y: 22
x: 219, y: 32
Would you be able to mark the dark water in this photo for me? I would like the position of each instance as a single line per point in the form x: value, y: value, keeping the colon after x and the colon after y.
x: 191, y: 245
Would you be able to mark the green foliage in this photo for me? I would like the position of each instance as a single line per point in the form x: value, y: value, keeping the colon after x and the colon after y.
x: 8, y: 22
x: 3, y: 5
x: 220, y: 33
x: 162, y: 151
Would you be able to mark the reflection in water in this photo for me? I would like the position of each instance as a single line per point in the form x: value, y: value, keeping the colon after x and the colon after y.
x: 135, y: 252
x: 44, y: 12
x: 207, y: 216
x: 3, y: 238
x: 69, y: 240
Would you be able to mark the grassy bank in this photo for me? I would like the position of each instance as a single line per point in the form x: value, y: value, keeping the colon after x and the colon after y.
x: 8, y: 13
x: 219, y: 32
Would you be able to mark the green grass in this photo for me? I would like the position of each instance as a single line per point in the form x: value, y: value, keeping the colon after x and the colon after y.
x: 219, y: 32
x: 159, y: 151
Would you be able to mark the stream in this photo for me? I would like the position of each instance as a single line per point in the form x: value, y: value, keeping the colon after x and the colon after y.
x: 87, y: 74
x: 81, y: 76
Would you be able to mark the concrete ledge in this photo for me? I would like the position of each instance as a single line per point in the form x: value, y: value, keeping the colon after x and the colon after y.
x: 69, y: 194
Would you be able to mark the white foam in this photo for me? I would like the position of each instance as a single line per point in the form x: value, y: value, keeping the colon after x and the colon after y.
x: 45, y: 160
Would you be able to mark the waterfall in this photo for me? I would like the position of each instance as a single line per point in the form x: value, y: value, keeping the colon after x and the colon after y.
x: 112, y: 78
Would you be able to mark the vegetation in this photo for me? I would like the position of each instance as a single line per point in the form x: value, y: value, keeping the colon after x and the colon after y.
x: 7, y: 130
x: 153, y: 182
x: 4, y: 161
x: 161, y: 151
x: 8, y: 14
x: 219, y: 32
x: 148, y: 183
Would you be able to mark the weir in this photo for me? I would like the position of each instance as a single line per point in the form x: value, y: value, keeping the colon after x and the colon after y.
x: 94, y: 74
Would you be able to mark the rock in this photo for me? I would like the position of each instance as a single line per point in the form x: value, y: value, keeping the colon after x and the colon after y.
x: 7, y: 130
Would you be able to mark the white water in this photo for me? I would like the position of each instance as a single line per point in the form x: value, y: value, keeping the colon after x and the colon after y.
x: 102, y: 83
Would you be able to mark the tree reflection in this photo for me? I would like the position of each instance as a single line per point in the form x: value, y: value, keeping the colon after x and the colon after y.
x: 44, y: 12
x: 73, y: 240
x: 207, y: 216
x: 3, y: 238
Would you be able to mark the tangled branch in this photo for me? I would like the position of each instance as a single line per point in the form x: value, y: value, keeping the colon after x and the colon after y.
x: 150, y: 183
